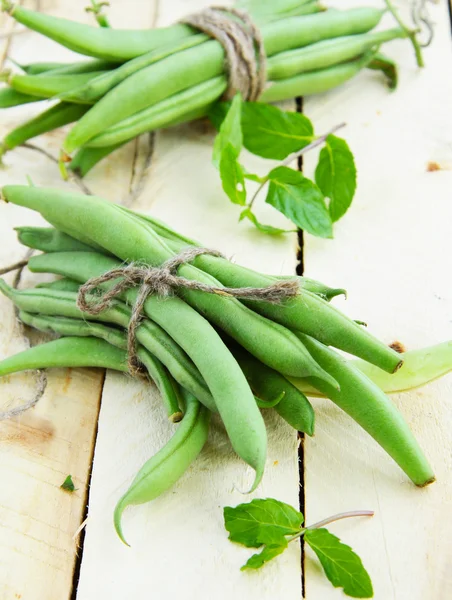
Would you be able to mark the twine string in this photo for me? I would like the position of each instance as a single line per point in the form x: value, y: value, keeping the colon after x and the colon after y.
x: 246, y: 62
x: 163, y: 281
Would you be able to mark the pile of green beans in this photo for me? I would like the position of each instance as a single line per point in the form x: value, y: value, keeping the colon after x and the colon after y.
x: 139, y: 81
x: 206, y: 353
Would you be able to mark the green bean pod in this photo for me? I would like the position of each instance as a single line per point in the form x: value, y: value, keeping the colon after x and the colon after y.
x: 62, y: 302
x: 10, y: 97
x: 191, y: 104
x: 61, y: 68
x: 49, y: 85
x: 48, y: 239
x: 57, y: 116
x: 67, y: 352
x: 196, y: 65
x: 314, y: 82
x: 162, y: 471
x: 110, y: 44
x: 267, y: 384
x: 61, y: 285
x: 327, y: 53
x: 80, y: 328
x: 98, y: 87
x: 372, y: 409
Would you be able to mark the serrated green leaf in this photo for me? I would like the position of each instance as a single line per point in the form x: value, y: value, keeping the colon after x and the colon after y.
x: 341, y: 565
x: 336, y: 175
x: 258, y: 560
x: 230, y: 133
x: 248, y: 214
x: 273, y: 133
x: 261, y: 521
x: 68, y: 484
x: 232, y: 178
x: 299, y: 199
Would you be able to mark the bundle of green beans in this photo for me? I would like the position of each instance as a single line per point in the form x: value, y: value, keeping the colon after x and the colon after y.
x: 207, y: 352
x: 138, y: 81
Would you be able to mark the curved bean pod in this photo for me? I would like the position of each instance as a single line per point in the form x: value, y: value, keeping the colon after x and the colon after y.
x: 47, y: 86
x: 110, y: 44
x: 87, y: 158
x: 10, y: 98
x: 61, y: 285
x: 162, y: 471
x: 373, y: 410
x: 266, y: 383
x: 59, y: 68
x: 57, y: 116
x: 49, y: 240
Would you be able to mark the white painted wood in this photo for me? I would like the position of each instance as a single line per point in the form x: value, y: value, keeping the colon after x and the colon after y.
x: 392, y: 252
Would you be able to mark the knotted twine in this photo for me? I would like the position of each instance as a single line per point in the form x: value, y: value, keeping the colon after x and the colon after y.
x: 246, y: 62
x: 163, y: 282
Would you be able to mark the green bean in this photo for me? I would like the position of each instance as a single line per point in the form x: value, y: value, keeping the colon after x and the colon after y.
x: 315, y: 82
x: 162, y: 471
x: 54, y: 301
x: 222, y: 374
x: 98, y: 87
x: 420, y: 367
x: 370, y: 408
x: 62, y: 285
x: 48, y: 239
x: 110, y: 44
x: 80, y: 328
x: 191, y: 104
x: 67, y: 352
x: 271, y: 403
x: 87, y: 158
x: 10, y: 98
x: 50, y: 85
x: 327, y: 53
x: 57, y: 116
x: 61, y: 68
x: 266, y: 383
x: 196, y: 65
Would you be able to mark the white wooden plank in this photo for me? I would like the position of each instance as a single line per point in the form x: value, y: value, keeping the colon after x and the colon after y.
x: 392, y: 252
x: 40, y: 448
x: 179, y: 544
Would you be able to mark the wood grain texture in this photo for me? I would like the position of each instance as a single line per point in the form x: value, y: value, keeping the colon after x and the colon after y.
x: 392, y: 252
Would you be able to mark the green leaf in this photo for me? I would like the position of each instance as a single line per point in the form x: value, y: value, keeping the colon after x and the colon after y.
x: 299, y: 199
x: 68, y: 484
x: 336, y: 175
x: 258, y: 560
x: 253, y: 177
x: 387, y: 66
x: 248, y: 214
x: 232, y: 177
x: 230, y: 133
x: 218, y: 113
x: 341, y: 565
x: 261, y: 521
x: 273, y: 133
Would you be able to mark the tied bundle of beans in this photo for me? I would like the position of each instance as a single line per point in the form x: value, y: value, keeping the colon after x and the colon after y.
x: 138, y: 81
x: 214, y: 336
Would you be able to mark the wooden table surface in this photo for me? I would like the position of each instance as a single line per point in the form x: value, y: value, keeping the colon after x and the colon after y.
x: 392, y: 252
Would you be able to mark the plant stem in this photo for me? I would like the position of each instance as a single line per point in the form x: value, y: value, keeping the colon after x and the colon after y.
x: 18, y: 265
x: 338, y: 517
x: 410, y: 33
x: 285, y: 163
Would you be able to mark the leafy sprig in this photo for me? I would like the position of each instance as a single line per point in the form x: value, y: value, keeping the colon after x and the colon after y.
x: 271, y: 525
x: 68, y: 484
x: 272, y: 133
